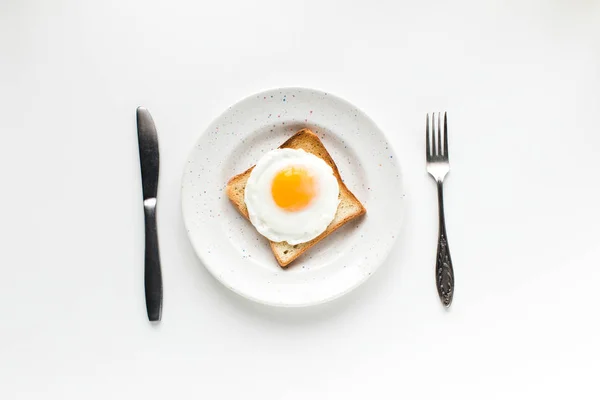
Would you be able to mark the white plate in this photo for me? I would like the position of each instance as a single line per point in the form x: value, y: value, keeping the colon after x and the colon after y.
x: 229, y: 246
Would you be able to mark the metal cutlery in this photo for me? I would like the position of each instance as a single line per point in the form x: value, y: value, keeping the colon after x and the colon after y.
x: 438, y: 166
x: 149, y: 160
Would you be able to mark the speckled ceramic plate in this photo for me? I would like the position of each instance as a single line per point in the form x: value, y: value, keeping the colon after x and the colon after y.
x: 233, y: 251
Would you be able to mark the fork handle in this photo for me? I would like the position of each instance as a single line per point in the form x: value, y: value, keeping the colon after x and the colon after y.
x: 444, y: 273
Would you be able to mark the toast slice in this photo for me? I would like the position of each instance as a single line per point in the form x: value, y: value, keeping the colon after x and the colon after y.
x: 348, y: 209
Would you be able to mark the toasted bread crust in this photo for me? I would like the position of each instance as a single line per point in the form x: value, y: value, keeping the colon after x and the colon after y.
x: 349, y: 208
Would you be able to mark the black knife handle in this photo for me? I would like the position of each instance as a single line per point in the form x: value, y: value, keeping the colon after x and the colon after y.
x: 152, y: 274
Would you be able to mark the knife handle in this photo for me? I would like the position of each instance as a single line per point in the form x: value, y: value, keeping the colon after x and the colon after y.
x: 152, y: 273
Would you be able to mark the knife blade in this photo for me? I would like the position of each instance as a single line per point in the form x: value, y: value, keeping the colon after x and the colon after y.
x: 149, y: 161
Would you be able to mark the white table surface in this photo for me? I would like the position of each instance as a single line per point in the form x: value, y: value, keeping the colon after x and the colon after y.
x: 521, y: 83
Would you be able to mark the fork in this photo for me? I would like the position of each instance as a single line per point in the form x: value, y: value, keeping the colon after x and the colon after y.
x: 438, y: 166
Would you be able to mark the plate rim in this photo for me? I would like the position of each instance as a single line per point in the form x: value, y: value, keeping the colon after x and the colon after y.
x: 381, y: 257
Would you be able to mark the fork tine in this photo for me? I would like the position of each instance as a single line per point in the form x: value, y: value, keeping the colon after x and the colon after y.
x: 439, y: 135
x: 428, y: 147
x: 433, y: 138
x: 445, y: 136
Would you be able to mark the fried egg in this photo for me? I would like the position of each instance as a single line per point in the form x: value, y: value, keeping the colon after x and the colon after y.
x: 291, y: 196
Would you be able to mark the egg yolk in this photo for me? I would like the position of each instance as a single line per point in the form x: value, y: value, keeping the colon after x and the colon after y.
x: 293, y: 188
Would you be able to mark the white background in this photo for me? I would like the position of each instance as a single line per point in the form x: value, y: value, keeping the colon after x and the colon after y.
x: 521, y: 83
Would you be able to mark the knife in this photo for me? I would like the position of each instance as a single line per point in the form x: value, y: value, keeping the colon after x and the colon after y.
x: 149, y: 160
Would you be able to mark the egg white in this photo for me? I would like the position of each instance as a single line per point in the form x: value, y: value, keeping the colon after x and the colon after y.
x: 280, y: 225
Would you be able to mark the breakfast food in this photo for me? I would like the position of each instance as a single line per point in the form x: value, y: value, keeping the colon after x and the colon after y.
x: 294, y: 196
x: 291, y: 196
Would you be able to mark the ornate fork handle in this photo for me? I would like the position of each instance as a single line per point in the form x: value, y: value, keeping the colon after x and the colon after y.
x: 444, y: 274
